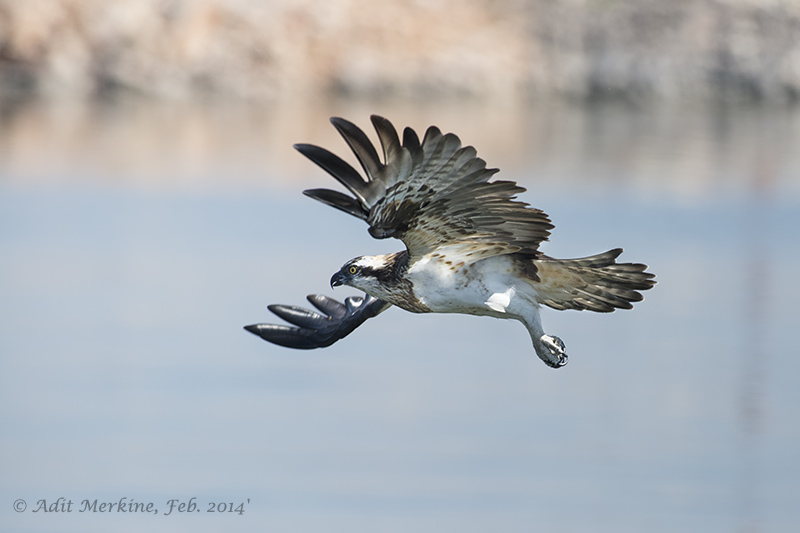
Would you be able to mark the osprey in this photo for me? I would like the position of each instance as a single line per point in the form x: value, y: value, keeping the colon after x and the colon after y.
x: 471, y: 247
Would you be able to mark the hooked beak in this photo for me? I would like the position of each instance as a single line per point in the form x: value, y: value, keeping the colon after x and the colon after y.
x: 337, y: 279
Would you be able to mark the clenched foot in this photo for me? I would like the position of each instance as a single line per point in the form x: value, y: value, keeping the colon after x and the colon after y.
x: 557, y: 349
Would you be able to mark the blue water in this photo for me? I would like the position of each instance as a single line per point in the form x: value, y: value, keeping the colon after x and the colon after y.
x: 125, y: 371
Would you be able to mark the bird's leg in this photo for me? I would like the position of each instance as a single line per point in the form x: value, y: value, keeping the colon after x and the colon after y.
x: 549, y: 348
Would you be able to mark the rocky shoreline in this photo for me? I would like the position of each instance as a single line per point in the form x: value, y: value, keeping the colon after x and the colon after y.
x: 585, y: 49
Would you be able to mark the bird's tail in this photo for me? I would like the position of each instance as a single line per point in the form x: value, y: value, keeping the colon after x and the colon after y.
x: 595, y: 283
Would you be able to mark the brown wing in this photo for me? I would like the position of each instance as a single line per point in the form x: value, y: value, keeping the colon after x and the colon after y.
x: 432, y: 194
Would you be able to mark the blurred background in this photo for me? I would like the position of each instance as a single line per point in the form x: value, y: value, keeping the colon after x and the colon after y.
x: 150, y: 207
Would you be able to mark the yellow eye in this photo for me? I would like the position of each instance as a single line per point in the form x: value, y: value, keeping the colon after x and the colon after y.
x: 352, y: 270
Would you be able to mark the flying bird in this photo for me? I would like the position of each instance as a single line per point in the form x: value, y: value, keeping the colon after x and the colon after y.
x: 471, y: 246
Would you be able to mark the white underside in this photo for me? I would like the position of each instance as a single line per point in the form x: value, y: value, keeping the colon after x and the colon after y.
x: 489, y: 287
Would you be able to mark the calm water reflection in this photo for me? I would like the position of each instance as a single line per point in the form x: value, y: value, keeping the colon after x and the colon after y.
x: 137, y: 239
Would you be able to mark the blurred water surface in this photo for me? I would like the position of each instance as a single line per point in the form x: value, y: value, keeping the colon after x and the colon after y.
x: 136, y: 239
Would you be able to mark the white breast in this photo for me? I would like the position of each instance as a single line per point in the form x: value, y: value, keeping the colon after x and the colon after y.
x: 486, y: 287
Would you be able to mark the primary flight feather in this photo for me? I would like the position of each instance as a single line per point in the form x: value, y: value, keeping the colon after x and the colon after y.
x: 471, y: 246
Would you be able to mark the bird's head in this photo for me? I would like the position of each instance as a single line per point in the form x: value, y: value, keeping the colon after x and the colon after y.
x: 367, y: 273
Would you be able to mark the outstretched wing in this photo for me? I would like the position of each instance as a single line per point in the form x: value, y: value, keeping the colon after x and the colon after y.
x: 433, y: 195
x: 314, y: 330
